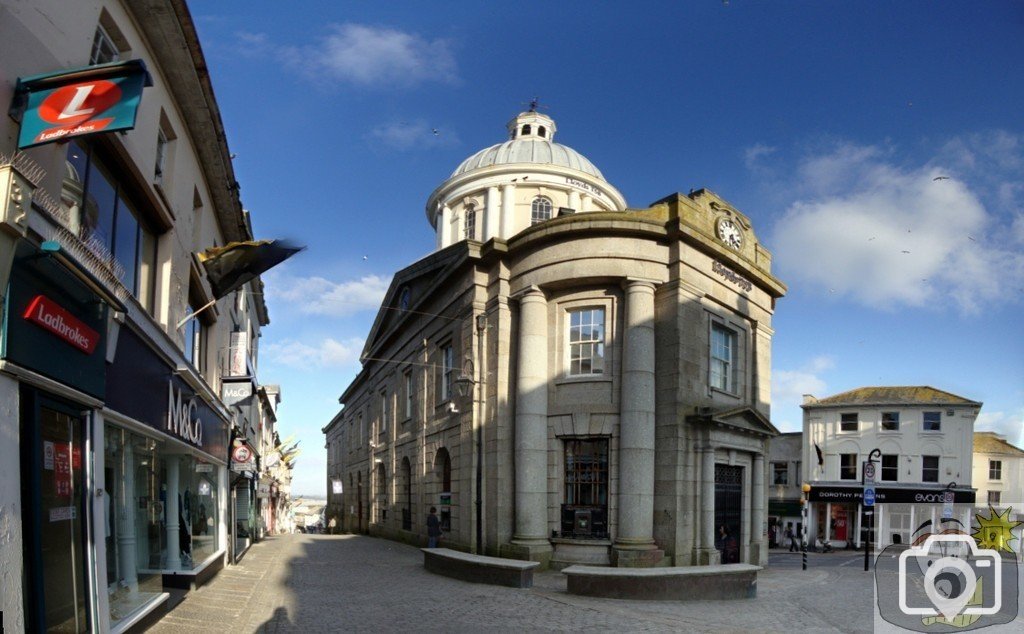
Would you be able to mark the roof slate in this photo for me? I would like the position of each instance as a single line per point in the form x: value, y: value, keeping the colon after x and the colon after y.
x: 894, y: 395
x: 989, y: 442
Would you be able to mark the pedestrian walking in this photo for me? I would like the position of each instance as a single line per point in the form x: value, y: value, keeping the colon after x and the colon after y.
x: 791, y: 536
x: 433, y: 528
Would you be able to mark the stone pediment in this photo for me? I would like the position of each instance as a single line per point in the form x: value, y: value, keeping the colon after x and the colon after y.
x: 743, y: 419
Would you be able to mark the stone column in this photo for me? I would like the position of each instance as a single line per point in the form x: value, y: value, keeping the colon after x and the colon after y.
x: 171, y: 515
x: 446, y: 226
x: 124, y: 502
x: 508, y: 209
x: 858, y: 536
x: 530, y: 540
x: 585, y: 203
x: 758, y: 548
x: 828, y: 522
x: 634, y: 543
x: 491, y: 228
x: 709, y: 555
x: 574, y: 200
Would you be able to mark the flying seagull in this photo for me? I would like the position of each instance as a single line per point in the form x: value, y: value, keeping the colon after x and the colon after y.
x: 436, y: 133
x: 905, y: 252
x: 941, y: 178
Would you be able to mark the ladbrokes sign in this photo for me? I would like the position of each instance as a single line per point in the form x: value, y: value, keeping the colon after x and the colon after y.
x: 49, y: 315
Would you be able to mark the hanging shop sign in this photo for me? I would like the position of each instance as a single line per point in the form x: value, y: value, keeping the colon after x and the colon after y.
x: 263, y: 489
x: 142, y: 386
x: 53, y: 323
x: 72, y: 103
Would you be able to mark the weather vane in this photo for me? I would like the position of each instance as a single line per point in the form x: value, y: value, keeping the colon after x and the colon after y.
x: 535, y: 104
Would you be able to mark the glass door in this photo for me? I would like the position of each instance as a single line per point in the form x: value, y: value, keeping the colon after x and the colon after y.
x: 54, y: 496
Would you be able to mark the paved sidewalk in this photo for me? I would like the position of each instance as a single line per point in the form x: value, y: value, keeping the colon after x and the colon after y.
x: 344, y: 583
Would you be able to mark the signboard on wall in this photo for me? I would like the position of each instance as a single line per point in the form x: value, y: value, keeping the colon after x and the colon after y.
x: 142, y: 386
x: 78, y: 102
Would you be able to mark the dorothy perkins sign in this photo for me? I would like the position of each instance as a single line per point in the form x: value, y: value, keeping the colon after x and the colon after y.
x: 71, y: 103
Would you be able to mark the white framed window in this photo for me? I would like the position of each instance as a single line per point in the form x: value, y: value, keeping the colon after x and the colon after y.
x: 469, y: 223
x: 929, y: 468
x: 723, y: 358
x: 995, y: 469
x: 586, y: 341
x: 890, y: 467
x: 848, y: 466
x: 848, y: 422
x: 104, y: 50
x: 932, y: 421
x: 993, y: 498
x: 890, y: 421
x: 540, y: 210
x: 161, y: 153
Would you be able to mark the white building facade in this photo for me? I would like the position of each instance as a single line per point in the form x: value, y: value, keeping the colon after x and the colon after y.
x: 114, y: 465
x: 923, y: 437
x: 998, y: 472
x: 565, y: 379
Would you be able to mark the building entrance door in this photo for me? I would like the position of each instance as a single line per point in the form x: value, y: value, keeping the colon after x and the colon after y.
x: 54, y: 521
x: 728, y: 510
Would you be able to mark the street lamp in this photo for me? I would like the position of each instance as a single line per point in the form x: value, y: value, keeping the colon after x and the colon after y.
x: 804, y: 502
x: 869, y: 515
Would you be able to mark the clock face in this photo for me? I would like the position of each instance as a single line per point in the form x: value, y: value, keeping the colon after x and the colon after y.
x: 729, y: 233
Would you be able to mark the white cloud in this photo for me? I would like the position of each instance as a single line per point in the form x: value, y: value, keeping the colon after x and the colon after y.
x: 891, y: 236
x: 752, y: 155
x: 416, y: 135
x: 1010, y: 425
x: 319, y: 296
x: 378, y: 56
x: 789, y: 386
x: 330, y: 353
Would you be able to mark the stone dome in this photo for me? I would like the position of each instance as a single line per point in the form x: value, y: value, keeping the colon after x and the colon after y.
x: 531, y: 140
x: 529, y: 151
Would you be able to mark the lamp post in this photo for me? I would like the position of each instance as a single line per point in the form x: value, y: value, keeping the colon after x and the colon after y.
x: 869, y: 515
x: 804, y: 502
x: 464, y: 386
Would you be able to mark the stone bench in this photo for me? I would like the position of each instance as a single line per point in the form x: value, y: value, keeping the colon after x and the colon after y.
x: 496, y: 571
x: 687, y: 583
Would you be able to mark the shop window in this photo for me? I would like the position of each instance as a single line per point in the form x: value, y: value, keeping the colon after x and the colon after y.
x: 723, y: 358
x: 780, y: 473
x: 890, y: 421
x: 993, y: 498
x: 849, y: 422
x: 848, y: 466
x: 109, y: 221
x: 540, y: 210
x: 933, y: 421
x: 586, y: 342
x: 995, y: 469
x: 162, y: 512
x: 890, y: 467
x: 585, y: 496
x: 929, y: 468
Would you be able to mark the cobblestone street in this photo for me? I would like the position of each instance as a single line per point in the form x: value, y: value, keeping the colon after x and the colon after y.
x: 323, y: 583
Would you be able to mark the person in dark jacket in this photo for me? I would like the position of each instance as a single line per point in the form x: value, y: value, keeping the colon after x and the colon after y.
x: 433, y: 528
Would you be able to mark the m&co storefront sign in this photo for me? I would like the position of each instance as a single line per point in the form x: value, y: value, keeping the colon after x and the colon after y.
x: 49, y: 315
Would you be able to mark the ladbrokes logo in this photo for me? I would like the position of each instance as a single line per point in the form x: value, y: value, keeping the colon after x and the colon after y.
x: 44, y: 312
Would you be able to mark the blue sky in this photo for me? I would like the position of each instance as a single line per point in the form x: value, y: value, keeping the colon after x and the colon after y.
x: 827, y: 123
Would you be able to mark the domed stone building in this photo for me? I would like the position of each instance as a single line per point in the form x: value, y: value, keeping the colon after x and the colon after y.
x: 566, y: 379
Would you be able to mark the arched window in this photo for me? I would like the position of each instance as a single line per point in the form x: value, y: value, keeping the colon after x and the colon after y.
x: 542, y: 131
x: 526, y: 129
x: 540, y: 210
x: 469, y: 223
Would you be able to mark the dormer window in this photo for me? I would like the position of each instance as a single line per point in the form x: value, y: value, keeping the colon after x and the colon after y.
x: 526, y: 129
